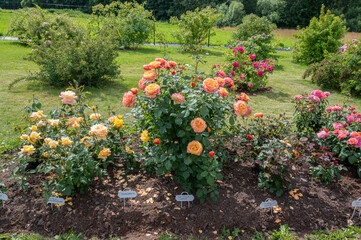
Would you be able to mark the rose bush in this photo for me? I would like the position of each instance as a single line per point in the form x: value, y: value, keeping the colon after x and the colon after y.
x: 243, y: 72
x: 67, y: 146
x: 181, y: 122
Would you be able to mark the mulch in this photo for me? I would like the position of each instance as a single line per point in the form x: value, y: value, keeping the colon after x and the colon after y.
x: 100, y: 213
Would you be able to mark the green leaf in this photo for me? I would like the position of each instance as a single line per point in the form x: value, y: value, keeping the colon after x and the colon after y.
x: 158, y: 113
x: 178, y: 121
x: 181, y: 133
x: 187, y: 161
x: 186, y: 175
x: 204, y: 111
x: 168, y: 165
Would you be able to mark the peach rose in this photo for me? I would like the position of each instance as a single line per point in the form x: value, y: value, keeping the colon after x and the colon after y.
x: 198, y: 125
x: 229, y: 81
x: 258, y: 115
x: 244, y: 97
x: 152, y: 90
x: 172, y: 64
x: 223, y: 92
x: 155, y: 64
x: 95, y: 116
x: 161, y: 61
x: 195, y: 148
x: 221, y: 81
x: 221, y: 73
x: 128, y: 99
x: 210, y: 85
x: 178, y: 98
x: 150, y: 75
x: 142, y: 84
x: 240, y: 107
x: 100, y: 131
x: 68, y: 97
x: 352, y: 141
x: 247, y: 113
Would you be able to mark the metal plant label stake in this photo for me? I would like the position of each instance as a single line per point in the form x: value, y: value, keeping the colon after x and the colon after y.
x: 269, y: 203
x: 55, y: 200
x: 127, y: 193
x: 356, y: 204
x: 184, y: 197
x: 3, y: 198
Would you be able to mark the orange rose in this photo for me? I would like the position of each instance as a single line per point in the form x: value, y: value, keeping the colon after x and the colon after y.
x: 161, y: 61
x: 240, y: 107
x: 244, y: 97
x: 104, y: 153
x: 356, y: 134
x: 247, y: 113
x: 152, y: 90
x: 352, y: 141
x: 172, y: 64
x: 128, y: 99
x: 221, y: 73
x: 223, y: 92
x: 198, y: 125
x: 178, y: 98
x: 221, y: 81
x: 150, y: 75
x: 100, y: 131
x: 258, y: 115
x: 195, y: 148
x: 147, y: 67
x: 155, y: 64
x: 210, y: 85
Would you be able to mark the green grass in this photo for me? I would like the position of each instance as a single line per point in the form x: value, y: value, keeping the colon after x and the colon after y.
x: 286, y: 82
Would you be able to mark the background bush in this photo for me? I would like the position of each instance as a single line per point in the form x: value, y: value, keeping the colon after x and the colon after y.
x: 194, y: 27
x: 128, y: 23
x: 87, y: 61
x: 34, y: 26
x: 271, y: 9
x: 340, y: 71
x: 232, y: 14
x: 322, y: 36
x: 253, y: 25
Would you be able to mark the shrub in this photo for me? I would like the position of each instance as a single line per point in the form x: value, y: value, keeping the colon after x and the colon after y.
x: 68, y: 147
x: 342, y: 134
x: 262, y: 46
x: 340, y: 71
x: 272, y: 9
x: 128, y: 23
x: 309, y: 112
x: 244, y: 72
x: 34, y: 26
x: 253, y: 25
x: 274, y: 161
x: 87, y: 61
x: 181, y: 123
x: 232, y: 14
x: 322, y: 36
x: 194, y: 27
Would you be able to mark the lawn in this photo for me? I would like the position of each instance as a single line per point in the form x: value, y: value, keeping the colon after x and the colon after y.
x: 285, y: 82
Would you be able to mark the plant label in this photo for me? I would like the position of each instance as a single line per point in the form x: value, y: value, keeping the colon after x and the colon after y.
x: 3, y: 198
x: 127, y: 193
x: 55, y: 200
x: 269, y: 203
x: 356, y: 204
x: 184, y: 197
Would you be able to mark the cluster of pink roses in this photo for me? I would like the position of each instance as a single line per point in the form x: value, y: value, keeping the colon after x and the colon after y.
x: 315, y: 95
x: 354, y: 138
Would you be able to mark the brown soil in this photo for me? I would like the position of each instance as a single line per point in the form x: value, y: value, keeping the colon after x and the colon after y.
x: 100, y: 213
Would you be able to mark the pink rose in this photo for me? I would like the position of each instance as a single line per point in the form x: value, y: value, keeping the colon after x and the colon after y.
x: 252, y: 56
x: 250, y: 85
x: 322, y: 135
x: 329, y: 109
x: 337, y: 125
x: 128, y: 99
x: 142, y: 84
x: 350, y: 118
x: 68, y: 97
x: 221, y: 73
x: 298, y: 97
x: 235, y: 64
x: 327, y: 94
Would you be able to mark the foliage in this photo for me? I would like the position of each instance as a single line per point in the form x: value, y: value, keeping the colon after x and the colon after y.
x: 340, y: 71
x: 263, y: 45
x: 34, y: 26
x: 128, y: 23
x: 68, y: 147
x: 271, y: 9
x: 194, y: 27
x: 309, y: 112
x: 253, y: 25
x: 342, y: 134
x: 274, y: 161
x: 182, y: 122
x: 322, y: 36
x: 351, y: 232
x: 245, y: 71
x: 283, y: 234
x: 86, y: 61
x: 232, y: 14
x: 325, y: 166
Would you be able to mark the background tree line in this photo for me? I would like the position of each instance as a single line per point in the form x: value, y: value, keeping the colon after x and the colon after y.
x: 285, y: 13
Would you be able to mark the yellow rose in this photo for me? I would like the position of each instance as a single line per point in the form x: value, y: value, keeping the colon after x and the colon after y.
x: 34, y: 136
x: 112, y: 119
x: 100, y: 131
x: 53, y: 144
x: 129, y: 151
x: 45, y: 154
x: 29, y: 149
x: 34, y: 128
x: 118, y: 123
x: 47, y: 140
x: 53, y: 122
x: 75, y: 125
x: 66, y: 141
x: 104, y: 153
x: 195, y: 148
x: 144, y: 136
x: 24, y: 137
